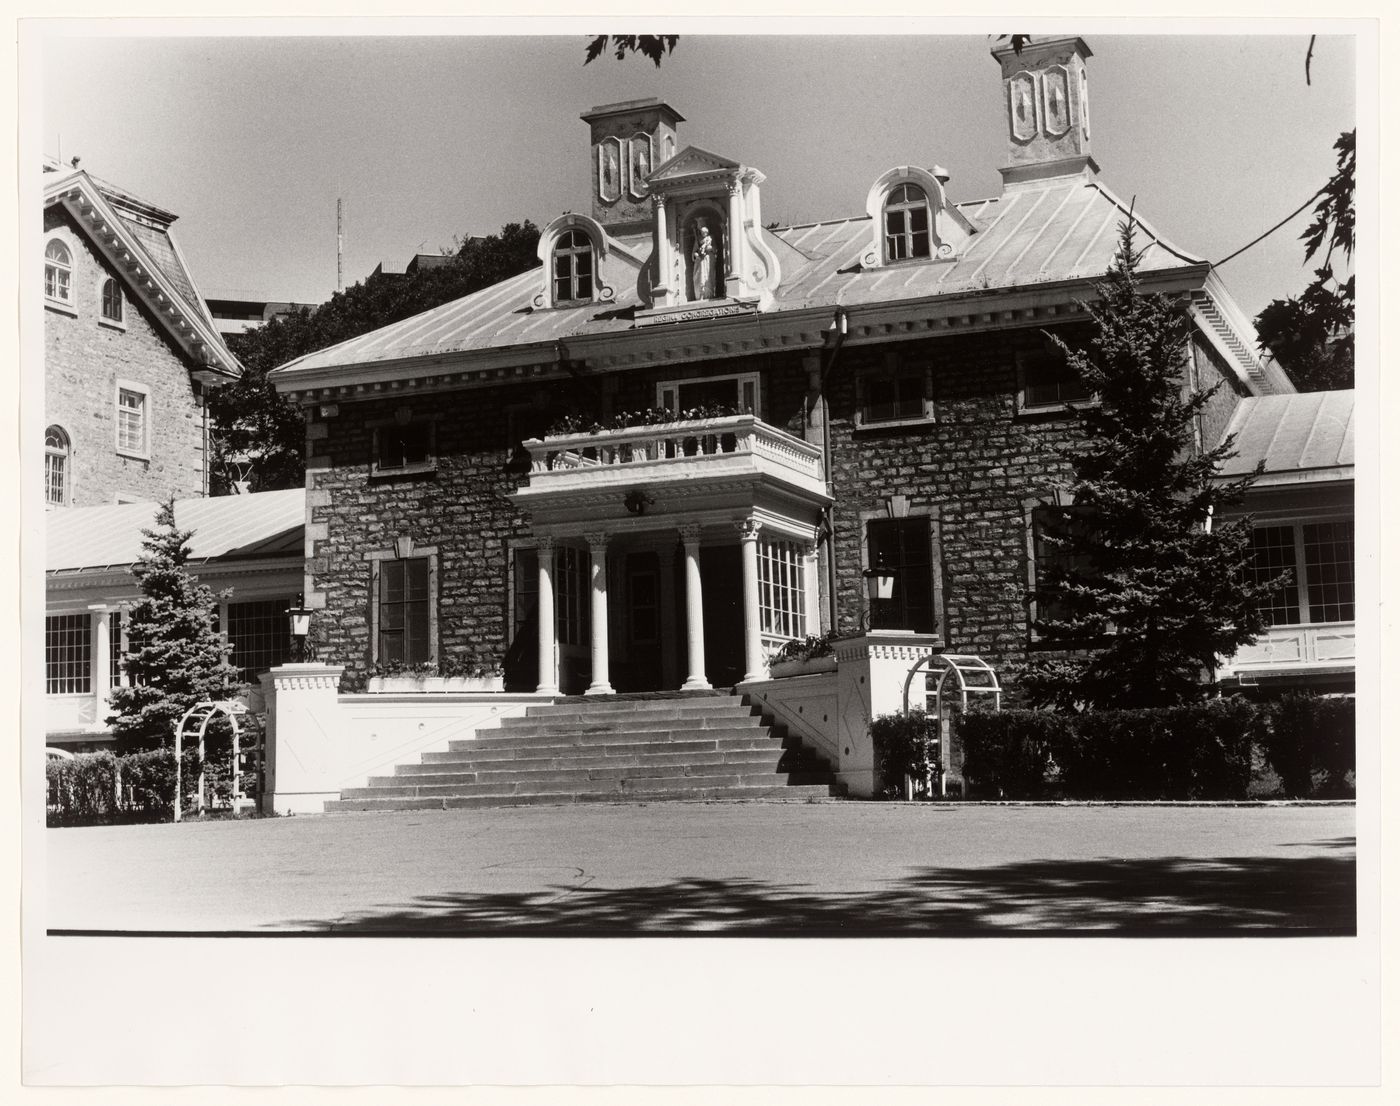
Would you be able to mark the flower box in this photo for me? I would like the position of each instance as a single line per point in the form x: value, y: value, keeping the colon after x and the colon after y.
x: 409, y: 684
x: 808, y: 667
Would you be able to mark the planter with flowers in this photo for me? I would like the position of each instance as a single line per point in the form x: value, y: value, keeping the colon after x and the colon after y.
x: 804, y: 657
x: 451, y: 676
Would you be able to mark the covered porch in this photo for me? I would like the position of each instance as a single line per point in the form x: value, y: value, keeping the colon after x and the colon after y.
x: 672, y: 556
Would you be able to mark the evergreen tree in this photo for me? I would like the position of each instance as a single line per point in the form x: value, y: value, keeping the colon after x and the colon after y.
x: 1147, y: 585
x: 177, y: 658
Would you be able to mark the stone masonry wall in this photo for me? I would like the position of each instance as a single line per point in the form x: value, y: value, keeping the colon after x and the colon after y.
x: 84, y: 359
x: 1211, y: 370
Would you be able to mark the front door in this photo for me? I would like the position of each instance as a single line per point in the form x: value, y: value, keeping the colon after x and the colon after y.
x: 722, y: 591
x: 642, y: 619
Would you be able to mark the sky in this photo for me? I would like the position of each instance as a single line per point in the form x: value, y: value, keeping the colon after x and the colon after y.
x: 251, y: 140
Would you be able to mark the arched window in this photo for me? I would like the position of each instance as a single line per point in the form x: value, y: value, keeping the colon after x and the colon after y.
x: 56, y: 453
x: 58, y: 272
x: 573, y: 267
x: 906, y: 224
x: 111, y: 300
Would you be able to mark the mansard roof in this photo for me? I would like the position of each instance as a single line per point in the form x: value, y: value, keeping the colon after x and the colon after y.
x: 135, y: 238
x: 1033, y: 251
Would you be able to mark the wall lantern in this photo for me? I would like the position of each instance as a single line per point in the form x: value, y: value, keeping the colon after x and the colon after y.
x: 637, y: 502
x: 299, y: 625
x: 879, y: 583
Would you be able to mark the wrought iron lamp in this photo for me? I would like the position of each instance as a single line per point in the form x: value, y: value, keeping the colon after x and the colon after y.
x: 299, y: 625
x: 879, y: 587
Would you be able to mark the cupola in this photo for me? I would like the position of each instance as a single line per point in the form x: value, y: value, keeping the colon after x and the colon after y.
x: 1047, y: 110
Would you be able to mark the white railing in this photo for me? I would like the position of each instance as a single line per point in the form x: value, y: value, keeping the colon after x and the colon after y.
x: 1318, y: 643
x: 674, y: 441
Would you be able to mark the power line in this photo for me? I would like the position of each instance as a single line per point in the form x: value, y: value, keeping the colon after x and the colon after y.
x: 1281, y: 222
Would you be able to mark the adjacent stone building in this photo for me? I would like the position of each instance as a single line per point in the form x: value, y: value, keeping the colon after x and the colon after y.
x: 688, y: 437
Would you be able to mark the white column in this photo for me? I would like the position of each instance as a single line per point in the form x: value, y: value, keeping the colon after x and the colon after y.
x: 811, y: 593
x: 755, y: 669
x: 548, y: 665
x: 734, y: 263
x: 666, y: 570
x: 694, y: 613
x: 598, y: 567
x: 101, y: 658
x: 663, y: 253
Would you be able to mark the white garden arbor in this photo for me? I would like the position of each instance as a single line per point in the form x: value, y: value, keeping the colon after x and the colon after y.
x: 963, y: 679
x: 247, y: 755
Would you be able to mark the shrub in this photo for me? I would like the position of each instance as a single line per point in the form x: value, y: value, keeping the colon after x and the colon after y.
x: 1189, y: 752
x: 82, y: 789
x: 1311, y: 743
x: 905, y: 745
x: 1007, y: 754
x: 100, y: 787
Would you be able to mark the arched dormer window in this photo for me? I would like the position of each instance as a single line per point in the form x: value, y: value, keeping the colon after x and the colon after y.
x: 57, y: 452
x: 111, y: 300
x: 907, y: 224
x: 573, y: 267
x: 912, y: 220
x: 58, y: 273
x: 576, y: 254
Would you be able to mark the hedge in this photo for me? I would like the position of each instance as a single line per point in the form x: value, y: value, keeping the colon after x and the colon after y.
x: 136, y: 787
x: 1201, y: 751
x: 905, y: 745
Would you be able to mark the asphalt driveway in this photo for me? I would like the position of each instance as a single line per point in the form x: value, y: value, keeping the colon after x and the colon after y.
x: 747, y: 869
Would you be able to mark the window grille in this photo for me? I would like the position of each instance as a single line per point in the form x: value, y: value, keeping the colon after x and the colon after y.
x: 903, y: 545
x: 131, y: 421
x: 111, y: 300
x: 114, y: 649
x: 403, y: 611
x: 58, y: 272
x: 402, y: 446
x: 1272, y: 551
x: 68, y: 654
x: 907, y: 224
x: 1048, y: 380
x: 782, y: 596
x: 259, y: 635
x: 1329, y: 552
x: 55, y: 467
x: 573, y: 267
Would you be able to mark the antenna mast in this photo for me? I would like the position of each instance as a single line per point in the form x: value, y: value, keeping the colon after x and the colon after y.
x: 339, y: 246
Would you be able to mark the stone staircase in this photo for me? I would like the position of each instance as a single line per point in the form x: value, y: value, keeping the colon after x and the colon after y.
x: 616, y: 749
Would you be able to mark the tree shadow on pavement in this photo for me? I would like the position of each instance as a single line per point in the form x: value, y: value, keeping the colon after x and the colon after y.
x: 1163, y: 897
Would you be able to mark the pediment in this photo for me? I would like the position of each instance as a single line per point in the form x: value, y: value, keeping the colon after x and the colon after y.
x: 692, y: 162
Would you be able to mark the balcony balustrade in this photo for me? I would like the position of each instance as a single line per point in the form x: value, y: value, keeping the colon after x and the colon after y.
x: 1322, y: 645
x: 707, y: 448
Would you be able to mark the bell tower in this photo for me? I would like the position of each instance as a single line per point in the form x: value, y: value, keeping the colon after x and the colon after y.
x: 627, y: 141
x: 1046, y: 93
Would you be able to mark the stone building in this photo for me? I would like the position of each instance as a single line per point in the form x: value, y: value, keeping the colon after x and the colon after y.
x: 687, y: 436
x: 129, y: 349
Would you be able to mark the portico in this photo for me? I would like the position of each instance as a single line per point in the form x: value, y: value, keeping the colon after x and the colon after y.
x: 700, y: 549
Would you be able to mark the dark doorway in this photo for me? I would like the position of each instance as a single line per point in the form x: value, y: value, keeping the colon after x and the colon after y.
x: 721, y: 583
x: 641, y: 625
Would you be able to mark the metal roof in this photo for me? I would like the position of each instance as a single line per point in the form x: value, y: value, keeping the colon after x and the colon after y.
x: 1056, y: 230
x: 228, y: 527
x: 1310, y: 432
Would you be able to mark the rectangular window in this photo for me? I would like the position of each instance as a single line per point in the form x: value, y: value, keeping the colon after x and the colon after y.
x: 782, y: 594
x: 259, y: 634
x: 739, y: 392
x: 903, y: 546
x: 571, y: 595
x: 114, y: 648
x: 1272, y: 551
x: 403, y: 611
x: 68, y: 654
x: 525, y: 599
x: 1048, y: 380
x: 404, y: 448
x: 1051, y: 528
x: 898, y: 391
x: 1329, y: 553
x: 131, y: 421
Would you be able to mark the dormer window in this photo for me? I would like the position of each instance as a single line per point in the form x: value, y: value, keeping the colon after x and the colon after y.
x: 58, y: 273
x: 907, y: 224
x: 573, y: 268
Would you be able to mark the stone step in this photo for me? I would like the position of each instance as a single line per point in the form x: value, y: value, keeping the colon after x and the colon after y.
x: 771, y: 754
x: 552, y: 715
x: 613, y: 737
x: 768, y: 768
x: 518, y: 727
x: 803, y: 793
x: 619, y: 748
x: 564, y: 783
x: 595, y: 707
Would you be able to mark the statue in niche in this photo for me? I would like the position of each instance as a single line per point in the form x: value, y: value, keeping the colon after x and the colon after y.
x: 702, y: 264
